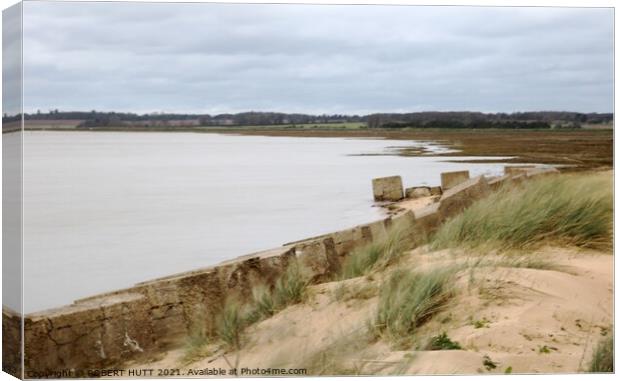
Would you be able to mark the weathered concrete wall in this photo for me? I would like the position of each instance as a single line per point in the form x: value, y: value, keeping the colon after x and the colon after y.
x: 451, y: 179
x: 387, y: 188
x: 93, y: 334
x: 139, y: 322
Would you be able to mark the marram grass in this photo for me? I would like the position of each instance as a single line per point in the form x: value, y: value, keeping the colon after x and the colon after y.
x: 409, y: 299
x: 262, y: 305
x: 603, y: 356
x: 290, y: 288
x: 566, y: 209
x: 380, y: 253
x: 196, y: 347
x: 230, y: 324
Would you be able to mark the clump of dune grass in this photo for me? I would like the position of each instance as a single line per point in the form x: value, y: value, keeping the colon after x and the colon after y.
x: 442, y: 343
x: 262, y: 305
x: 290, y: 288
x: 196, y: 347
x: 380, y: 253
x: 603, y: 357
x: 230, y: 324
x: 567, y: 209
x: 409, y: 299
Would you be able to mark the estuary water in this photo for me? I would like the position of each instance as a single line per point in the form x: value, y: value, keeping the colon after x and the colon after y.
x: 104, y: 210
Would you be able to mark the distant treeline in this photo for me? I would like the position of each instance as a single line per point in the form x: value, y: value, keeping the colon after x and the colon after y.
x: 538, y: 119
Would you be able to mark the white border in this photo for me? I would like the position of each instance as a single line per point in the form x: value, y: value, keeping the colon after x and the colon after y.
x: 519, y: 3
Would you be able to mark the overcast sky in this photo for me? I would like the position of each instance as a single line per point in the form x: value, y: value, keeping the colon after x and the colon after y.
x: 216, y: 58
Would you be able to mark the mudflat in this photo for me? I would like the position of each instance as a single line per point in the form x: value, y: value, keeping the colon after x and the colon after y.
x: 578, y: 148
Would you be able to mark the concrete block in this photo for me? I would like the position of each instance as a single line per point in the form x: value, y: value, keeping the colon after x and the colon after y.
x: 417, y: 192
x: 535, y: 172
x: 377, y: 228
x: 125, y: 330
x: 201, y: 294
x: 318, y: 257
x: 89, y: 335
x: 405, y: 221
x: 387, y: 188
x: 427, y: 219
x: 451, y: 179
x: 498, y: 182
x: 436, y: 191
x: 456, y: 199
x: 345, y: 241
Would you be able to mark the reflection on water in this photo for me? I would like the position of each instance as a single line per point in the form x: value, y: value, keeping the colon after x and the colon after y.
x: 106, y: 210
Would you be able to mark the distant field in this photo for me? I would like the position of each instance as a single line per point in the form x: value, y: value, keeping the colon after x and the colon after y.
x: 52, y: 124
x: 602, y: 126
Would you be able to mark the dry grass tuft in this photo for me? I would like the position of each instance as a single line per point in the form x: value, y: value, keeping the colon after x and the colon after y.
x: 291, y: 288
x: 196, y: 347
x: 230, y: 324
x: 409, y: 299
x: 379, y: 254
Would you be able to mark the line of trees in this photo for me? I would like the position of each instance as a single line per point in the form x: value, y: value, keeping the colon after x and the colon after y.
x: 435, y: 119
x: 536, y: 119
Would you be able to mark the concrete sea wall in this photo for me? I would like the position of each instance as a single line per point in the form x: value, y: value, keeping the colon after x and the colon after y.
x: 140, y: 322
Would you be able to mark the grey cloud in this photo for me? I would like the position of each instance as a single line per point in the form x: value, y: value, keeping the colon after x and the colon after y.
x: 299, y: 58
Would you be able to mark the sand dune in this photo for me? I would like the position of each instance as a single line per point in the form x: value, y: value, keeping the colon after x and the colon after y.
x: 506, y: 319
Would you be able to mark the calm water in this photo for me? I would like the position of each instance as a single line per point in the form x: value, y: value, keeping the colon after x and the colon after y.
x: 106, y: 210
